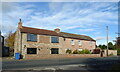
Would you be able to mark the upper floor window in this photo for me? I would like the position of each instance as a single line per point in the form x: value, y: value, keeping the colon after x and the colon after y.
x: 90, y: 42
x: 54, y: 39
x: 79, y: 42
x: 64, y: 39
x: 72, y: 42
x: 31, y: 37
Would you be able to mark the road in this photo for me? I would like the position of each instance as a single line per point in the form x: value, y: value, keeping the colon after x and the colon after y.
x: 105, y: 63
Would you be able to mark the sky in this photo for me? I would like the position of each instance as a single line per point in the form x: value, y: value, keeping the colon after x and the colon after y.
x: 84, y: 18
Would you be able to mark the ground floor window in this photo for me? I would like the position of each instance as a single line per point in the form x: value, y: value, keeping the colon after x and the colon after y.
x: 55, y: 51
x: 31, y: 50
x: 80, y: 49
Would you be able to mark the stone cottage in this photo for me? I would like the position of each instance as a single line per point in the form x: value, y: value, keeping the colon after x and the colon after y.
x: 40, y: 41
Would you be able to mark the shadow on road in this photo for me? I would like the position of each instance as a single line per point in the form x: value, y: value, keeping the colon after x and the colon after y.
x: 103, y: 64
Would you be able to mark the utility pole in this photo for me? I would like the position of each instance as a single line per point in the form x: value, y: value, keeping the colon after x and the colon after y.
x: 107, y: 39
x: 117, y: 39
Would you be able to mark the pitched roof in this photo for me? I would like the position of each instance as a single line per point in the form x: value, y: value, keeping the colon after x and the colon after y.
x: 53, y: 33
x: 38, y: 31
x: 76, y: 36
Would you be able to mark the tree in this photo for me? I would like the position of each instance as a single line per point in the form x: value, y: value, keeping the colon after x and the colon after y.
x: 111, y: 46
x: 118, y: 42
x: 9, y: 42
x: 102, y: 47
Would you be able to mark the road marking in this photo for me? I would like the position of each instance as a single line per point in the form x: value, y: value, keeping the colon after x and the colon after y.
x: 82, y: 65
x: 50, y: 69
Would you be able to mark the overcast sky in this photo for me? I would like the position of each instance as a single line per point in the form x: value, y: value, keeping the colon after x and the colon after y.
x: 85, y: 18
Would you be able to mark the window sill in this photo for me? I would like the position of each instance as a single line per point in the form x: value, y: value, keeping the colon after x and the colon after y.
x: 31, y: 41
x: 80, y: 45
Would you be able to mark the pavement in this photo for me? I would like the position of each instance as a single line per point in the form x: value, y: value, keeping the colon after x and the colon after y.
x: 8, y: 58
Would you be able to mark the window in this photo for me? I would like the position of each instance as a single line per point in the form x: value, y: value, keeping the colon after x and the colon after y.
x: 80, y: 49
x: 31, y: 50
x: 90, y: 42
x: 54, y: 51
x: 31, y: 37
x: 72, y: 42
x: 64, y: 39
x: 54, y: 39
x: 79, y: 42
x: 68, y: 49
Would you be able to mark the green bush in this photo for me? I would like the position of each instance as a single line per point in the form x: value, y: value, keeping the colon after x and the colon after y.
x: 82, y: 52
x: 110, y: 55
x: 76, y: 52
x: 118, y: 51
x: 86, y: 51
x: 68, y: 51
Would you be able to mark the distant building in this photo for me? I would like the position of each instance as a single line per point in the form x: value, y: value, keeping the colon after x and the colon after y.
x: 40, y: 41
x: 4, y: 50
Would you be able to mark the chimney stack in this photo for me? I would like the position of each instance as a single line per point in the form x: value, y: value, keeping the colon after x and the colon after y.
x: 20, y: 24
x: 57, y: 30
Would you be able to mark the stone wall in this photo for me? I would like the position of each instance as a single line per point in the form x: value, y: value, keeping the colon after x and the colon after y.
x: 51, y: 56
x: 17, y: 44
x: 110, y: 52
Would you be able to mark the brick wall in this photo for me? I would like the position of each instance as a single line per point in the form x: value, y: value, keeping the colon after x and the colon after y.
x: 85, y: 44
x: 51, y: 56
x: 44, y: 44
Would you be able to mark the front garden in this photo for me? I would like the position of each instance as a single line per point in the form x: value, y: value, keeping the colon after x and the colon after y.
x: 84, y: 51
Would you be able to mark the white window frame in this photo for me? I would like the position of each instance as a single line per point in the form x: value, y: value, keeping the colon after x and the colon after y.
x: 79, y: 42
x: 67, y: 49
x: 90, y: 43
x: 72, y: 42
x: 54, y: 36
x: 80, y: 49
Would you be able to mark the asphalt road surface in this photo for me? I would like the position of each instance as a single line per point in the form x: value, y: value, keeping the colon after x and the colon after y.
x: 105, y: 63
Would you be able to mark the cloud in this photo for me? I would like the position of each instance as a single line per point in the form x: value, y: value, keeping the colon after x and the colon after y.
x: 59, y: 0
x: 97, y: 33
x: 74, y: 17
x: 99, y: 38
x: 102, y: 38
x: 11, y: 12
x: 87, y: 30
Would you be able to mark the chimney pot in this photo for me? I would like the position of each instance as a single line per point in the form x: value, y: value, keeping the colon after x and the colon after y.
x: 20, y: 24
x: 57, y: 30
